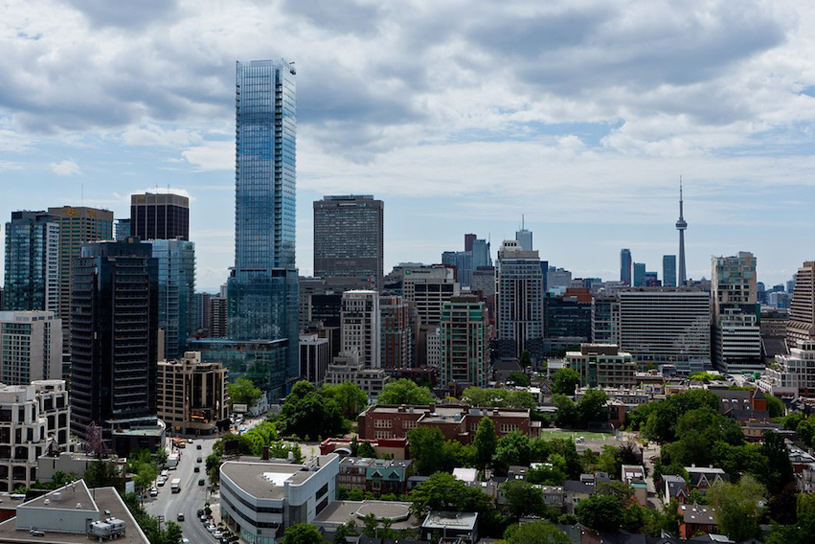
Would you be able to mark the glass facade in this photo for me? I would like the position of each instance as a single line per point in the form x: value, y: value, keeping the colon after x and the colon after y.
x: 32, y: 262
x: 176, y: 294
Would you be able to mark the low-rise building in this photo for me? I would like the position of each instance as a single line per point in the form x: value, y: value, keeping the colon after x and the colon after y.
x: 634, y: 476
x: 794, y: 374
x: 675, y: 487
x: 696, y: 518
x: 191, y: 394
x: 603, y: 365
x: 457, y: 526
x: 393, y: 448
x: 260, y: 499
x: 347, y: 368
x: 338, y: 513
x: 377, y: 476
x: 33, y: 419
x: 702, y: 478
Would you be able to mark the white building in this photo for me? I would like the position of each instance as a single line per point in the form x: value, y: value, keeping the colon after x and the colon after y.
x: 315, y: 355
x: 736, y: 331
x: 32, y: 417
x: 360, y: 326
x: 429, y: 287
x: 346, y: 368
x: 794, y: 374
x: 30, y: 347
x: 519, y: 300
x: 260, y: 499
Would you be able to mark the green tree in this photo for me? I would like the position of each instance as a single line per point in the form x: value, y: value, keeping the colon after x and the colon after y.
x: 523, y: 498
x: 780, y: 472
x: 444, y: 492
x: 489, y: 397
x: 514, y: 448
x: 344, y: 531
x: 792, y: 420
x: 538, y: 532
x: 775, y: 407
x: 565, y: 381
x: 526, y: 359
x: 736, y: 507
x: 171, y: 533
x: 366, y: 450
x: 427, y: 449
x: 404, y: 391
x: 566, y: 415
x: 519, y: 378
x: 806, y: 431
x: 103, y: 474
x: 307, y: 413
x: 592, y: 407
x: 662, y: 416
x: 601, y: 512
x: 485, y: 442
x: 547, y: 475
x: 349, y: 396
x: 302, y: 533
x: 798, y: 533
x: 610, y: 461
x: 243, y: 391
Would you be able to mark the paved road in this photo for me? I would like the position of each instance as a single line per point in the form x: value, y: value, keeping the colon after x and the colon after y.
x: 192, y: 496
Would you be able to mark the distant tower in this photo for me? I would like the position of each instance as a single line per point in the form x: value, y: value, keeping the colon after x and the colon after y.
x: 524, y: 236
x: 625, y: 266
x: 681, y: 225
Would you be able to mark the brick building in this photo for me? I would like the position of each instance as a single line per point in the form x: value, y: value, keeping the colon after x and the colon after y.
x: 377, y: 476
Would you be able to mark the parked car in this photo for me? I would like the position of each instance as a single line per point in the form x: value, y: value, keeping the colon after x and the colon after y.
x: 196, y: 468
x: 198, y: 460
x: 202, y: 481
x: 179, y: 516
x: 153, y: 492
x: 198, y: 446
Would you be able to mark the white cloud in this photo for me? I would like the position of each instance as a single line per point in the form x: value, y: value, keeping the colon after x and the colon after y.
x: 211, y: 156
x: 65, y: 168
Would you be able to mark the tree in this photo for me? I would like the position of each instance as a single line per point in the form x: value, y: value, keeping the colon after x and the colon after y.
x: 345, y: 530
x: 592, y: 407
x: 489, y: 397
x: 427, y: 449
x: 525, y: 359
x: 565, y: 381
x: 798, y: 533
x: 444, y: 492
x: 806, y: 431
x: 302, y: 533
x: 662, y: 416
x: 775, y: 406
x: 780, y: 472
x: 538, y: 532
x: 523, y: 498
x: 404, y: 391
x: 103, y: 474
x: 513, y: 448
x: 349, y: 396
x: 243, y: 391
x: 566, y: 415
x: 519, y: 378
x: 736, y: 507
x: 547, y: 475
x: 366, y: 450
x: 610, y: 460
x: 601, y: 512
x: 307, y: 414
x: 485, y: 442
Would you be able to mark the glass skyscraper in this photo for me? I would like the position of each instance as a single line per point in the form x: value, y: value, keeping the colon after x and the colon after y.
x: 32, y: 262
x: 262, y: 288
x: 176, y: 294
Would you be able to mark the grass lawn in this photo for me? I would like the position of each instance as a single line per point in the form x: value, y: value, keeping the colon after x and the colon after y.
x: 546, y: 433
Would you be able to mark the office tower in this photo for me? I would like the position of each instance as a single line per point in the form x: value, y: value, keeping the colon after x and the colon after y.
x: 176, y: 300
x: 667, y: 327
x: 569, y: 315
x: 651, y: 279
x: 32, y: 262
x: 121, y: 229
x: 30, y: 347
x: 192, y: 395
x: 681, y: 225
x: 202, y: 313
x: 428, y: 288
x: 349, y: 239
x: 791, y: 285
x: 519, y: 301
x: 218, y: 321
x: 625, y: 267
x: 801, y: 325
x: 114, y: 350
x: 262, y: 287
x: 481, y: 253
x: 464, y: 265
x: 360, y: 326
x: 524, y: 237
x: 315, y: 356
x: 639, y: 274
x: 669, y: 270
x: 735, y: 313
x: 469, y: 239
x: 77, y: 226
x: 160, y: 216
x: 557, y: 279
x: 605, y: 320
x: 397, y: 332
x: 464, y: 343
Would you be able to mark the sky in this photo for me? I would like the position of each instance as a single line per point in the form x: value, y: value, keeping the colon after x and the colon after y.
x: 578, y: 116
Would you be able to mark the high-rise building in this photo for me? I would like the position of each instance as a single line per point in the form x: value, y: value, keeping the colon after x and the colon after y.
x: 519, y: 301
x: 114, y: 349
x: 735, y: 313
x: 481, y: 253
x: 667, y: 326
x: 464, y: 343
x: 218, y: 317
x: 429, y: 287
x: 192, y: 394
x: 397, y: 332
x: 77, y: 226
x: 32, y: 262
x: 176, y: 300
x: 349, y: 239
x: 202, y: 312
x: 315, y: 356
x: 569, y: 315
x: 681, y: 225
x: 605, y: 320
x: 121, y: 228
x: 639, y: 274
x: 603, y: 365
x: 801, y: 325
x: 669, y: 270
x: 625, y: 267
x: 262, y: 287
x: 30, y: 347
x: 360, y: 326
x: 524, y: 237
x: 160, y: 216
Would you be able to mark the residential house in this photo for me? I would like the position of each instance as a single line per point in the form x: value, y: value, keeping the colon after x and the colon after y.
x: 696, y: 518
x: 702, y: 478
x: 675, y: 487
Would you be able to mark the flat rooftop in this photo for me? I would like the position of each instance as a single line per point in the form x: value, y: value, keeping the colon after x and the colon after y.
x: 340, y: 512
x: 266, y: 480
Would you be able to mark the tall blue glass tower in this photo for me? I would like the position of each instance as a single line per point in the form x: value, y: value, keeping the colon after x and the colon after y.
x: 262, y: 288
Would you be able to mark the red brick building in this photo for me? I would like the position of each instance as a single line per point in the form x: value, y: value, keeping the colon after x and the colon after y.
x: 456, y: 422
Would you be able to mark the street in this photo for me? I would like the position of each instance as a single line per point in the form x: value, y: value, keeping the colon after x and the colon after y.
x: 192, y: 496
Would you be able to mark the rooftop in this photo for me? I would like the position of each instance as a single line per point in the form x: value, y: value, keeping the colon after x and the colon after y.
x: 340, y: 512
x: 267, y: 480
x: 441, y: 520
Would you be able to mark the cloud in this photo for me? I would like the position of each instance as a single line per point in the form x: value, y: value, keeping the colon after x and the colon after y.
x: 211, y: 155
x: 65, y: 168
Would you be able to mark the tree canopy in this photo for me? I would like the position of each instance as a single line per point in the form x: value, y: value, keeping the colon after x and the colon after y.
x: 519, y: 378
x: 349, y: 396
x: 308, y: 413
x: 565, y: 381
x: 736, y: 507
x: 302, y: 533
x: 444, y: 492
x: 243, y: 391
x: 601, y: 512
x: 404, y: 391
x: 488, y: 397
x: 538, y: 532
x: 485, y: 442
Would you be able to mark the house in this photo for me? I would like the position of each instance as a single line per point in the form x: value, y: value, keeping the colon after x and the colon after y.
x: 460, y: 526
x: 675, y: 487
x: 634, y: 476
x: 702, y: 478
x: 378, y: 476
x: 696, y: 518
x: 577, y: 490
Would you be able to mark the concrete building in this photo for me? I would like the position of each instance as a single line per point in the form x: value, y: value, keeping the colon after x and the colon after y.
x: 192, y: 394
x: 396, y: 332
x: 218, y: 322
x: 33, y: 418
x: 464, y: 343
x: 347, y: 368
x: 315, y: 356
x: 259, y: 500
x: 428, y: 288
x: 160, y: 216
x: 338, y: 513
x: 519, y: 301
x: 792, y: 375
x: 569, y: 315
x: 801, y: 325
x: 605, y: 319
x: 557, y: 280
x: 349, y: 240
x: 603, y: 365
x: 30, y: 347
x: 667, y: 327
x: 32, y: 263
x: 735, y: 314
x: 360, y: 327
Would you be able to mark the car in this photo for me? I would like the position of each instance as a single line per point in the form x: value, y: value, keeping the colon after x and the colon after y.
x: 211, y: 528
x: 153, y: 492
x: 198, y: 460
x: 189, y: 441
x: 199, y: 512
x: 179, y: 516
x: 196, y: 468
x: 202, y: 481
x: 198, y: 446
x: 217, y: 534
x: 185, y: 540
x: 203, y: 518
x: 161, y: 481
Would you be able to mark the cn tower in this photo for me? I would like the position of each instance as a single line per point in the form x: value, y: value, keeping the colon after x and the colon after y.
x: 681, y: 225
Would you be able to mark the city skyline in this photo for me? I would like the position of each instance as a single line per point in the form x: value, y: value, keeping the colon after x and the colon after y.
x: 597, y: 129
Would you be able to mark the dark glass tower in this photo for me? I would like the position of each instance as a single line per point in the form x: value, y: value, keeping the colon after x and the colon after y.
x: 262, y: 288
x: 160, y: 216
x: 32, y: 262
x: 114, y: 333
